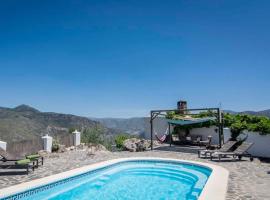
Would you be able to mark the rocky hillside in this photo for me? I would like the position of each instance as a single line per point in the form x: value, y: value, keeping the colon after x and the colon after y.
x: 24, y: 122
x: 135, y: 126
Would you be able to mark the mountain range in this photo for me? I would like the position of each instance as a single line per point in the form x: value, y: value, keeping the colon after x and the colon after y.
x: 24, y: 122
x: 141, y: 125
x: 135, y: 126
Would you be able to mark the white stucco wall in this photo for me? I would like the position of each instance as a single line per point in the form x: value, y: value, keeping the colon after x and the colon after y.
x: 227, y: 134
x: 205, y: 132
x: 261, y: 146
x: 3, y: 145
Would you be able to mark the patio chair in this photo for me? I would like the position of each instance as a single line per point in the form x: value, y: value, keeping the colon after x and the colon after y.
x: 239, y: 152
x: 19, y: 164
x: 188, y: 140
x: 207, y: 142
x: 224, y: 148
x: 197, y: 140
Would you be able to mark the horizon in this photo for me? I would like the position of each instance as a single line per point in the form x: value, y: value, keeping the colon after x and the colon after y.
x: 93, y: 117
x: 121, y: 59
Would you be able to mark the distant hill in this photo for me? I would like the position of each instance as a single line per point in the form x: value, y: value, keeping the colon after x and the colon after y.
x: 257, y: 113
x: 24, y: 122
x: 131, y: 125
x: 141, y: 125
x: 134, y: 126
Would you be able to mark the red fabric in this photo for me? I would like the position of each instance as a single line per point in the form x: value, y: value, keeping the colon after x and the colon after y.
x: 161, y: 139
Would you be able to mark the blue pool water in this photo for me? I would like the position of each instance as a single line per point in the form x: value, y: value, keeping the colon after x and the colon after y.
x: 132, y: 180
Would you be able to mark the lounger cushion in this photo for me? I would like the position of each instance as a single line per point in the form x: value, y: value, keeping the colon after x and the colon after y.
x: 33, y: 157
x: 23, y: 162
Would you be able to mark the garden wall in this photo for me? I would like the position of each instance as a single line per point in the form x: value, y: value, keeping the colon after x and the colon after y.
x: 261, y: 146
x: 19, y: 149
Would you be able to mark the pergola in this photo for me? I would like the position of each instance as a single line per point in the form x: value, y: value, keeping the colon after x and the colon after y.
x: 218, y: 115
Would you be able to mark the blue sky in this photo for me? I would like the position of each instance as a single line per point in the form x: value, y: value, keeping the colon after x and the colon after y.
x: 124, y: 58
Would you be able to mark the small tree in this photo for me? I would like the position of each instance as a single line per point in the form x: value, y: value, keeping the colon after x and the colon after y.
x: 237, y: 128
x: 119, y: 140
x: 55, y: 145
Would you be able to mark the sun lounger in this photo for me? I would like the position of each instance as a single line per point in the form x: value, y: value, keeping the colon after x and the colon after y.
x: 19, y: 164
x: 239, y: 152
x: 35, y: 158
x: 225, y: 148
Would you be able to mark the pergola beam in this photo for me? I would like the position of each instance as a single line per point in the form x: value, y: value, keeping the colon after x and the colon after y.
x: 155, y: 113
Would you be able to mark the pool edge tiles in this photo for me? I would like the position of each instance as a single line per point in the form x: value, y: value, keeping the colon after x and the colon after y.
x: 214, y: 189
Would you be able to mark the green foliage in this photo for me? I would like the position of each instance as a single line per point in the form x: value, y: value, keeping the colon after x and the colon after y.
x: 208, y: 113
x: 237, y: 123
x: 170, y: 115
x: 96, y: 135
x: 237, y: 128
x: 93, y: 135
x: 71, y: 130
x: 55, y: 145
x: 119, y: 140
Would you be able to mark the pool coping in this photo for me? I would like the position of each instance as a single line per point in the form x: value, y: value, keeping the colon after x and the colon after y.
x: 214, y: 189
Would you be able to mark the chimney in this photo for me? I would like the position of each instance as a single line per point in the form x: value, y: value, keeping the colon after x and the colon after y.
x: 182, y: 105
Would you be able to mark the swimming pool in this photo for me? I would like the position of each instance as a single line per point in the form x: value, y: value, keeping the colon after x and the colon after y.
x: 127, y: 179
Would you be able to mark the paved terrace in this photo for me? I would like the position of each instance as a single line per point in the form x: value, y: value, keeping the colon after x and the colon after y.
x: 248, y: 180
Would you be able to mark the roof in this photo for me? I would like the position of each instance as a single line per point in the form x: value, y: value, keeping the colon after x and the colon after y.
x: 183, y: 122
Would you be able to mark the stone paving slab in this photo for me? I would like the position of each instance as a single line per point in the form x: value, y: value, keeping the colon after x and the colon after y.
x: 247, y: 180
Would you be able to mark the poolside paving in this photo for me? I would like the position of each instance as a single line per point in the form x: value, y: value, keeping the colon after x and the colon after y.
x: 247, y: 180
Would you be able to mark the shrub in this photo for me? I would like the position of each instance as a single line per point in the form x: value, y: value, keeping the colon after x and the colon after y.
x: 55, y: 145
x: 71, y: 130
x: 170, y: 115
x: 93, y: 135
x: 97, y: 135
x: 119, y: 140
x: 237, y: 128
